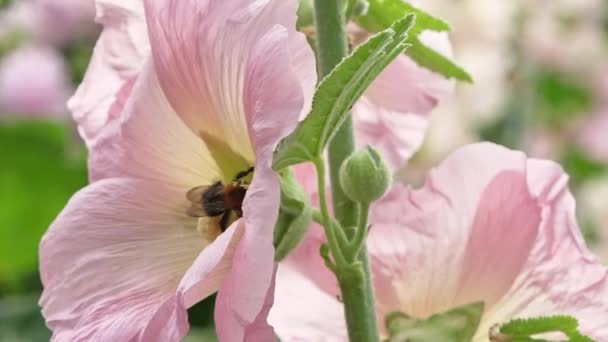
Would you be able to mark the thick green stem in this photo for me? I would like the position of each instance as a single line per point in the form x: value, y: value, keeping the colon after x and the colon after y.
x: 355, y: 282
x: 362, y: 326
x: 332, y: 48
x: 333, y: 239
x: 358, y: 241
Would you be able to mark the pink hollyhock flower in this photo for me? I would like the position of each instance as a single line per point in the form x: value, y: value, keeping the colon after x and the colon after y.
x: 34, y: 81
x: 393, y: 113
x: 489, y: 225
x: 126, y: 257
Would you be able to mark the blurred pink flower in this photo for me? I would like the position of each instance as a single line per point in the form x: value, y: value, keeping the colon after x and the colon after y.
x: 489, y: 225
x: 123, y: 261
x: 34, y: 81
x: 593, y: 135
x: 64, y: 21
x: 393, y: 113
x: 50, y: 22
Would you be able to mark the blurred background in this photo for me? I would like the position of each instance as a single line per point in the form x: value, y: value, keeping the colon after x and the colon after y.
x: 541, y: 86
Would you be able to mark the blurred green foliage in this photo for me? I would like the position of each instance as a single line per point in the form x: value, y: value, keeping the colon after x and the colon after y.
x: 11, y: 40
x: 559, y: 98
x: 44, y: 164
x: 580, y: 167
x: 78, y: 56
x: 21, y: 321
x: 42, y: 167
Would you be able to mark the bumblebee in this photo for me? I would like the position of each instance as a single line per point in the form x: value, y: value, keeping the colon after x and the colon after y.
x: 224, y: 202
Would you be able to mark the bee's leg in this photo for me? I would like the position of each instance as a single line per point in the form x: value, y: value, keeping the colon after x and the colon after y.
x: 225, y: 221
x: 243, y: 174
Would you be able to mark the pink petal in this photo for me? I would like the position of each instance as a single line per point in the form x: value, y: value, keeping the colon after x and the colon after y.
x: 561, y: 275
x: 465, y: 173
x: 392, y: 114
x: 398, y: 135
x: 237, y: 311
x: 259, y: 330
x: 303, y: 312
x: 501, y: 238
x: 116, y: 60
x: 113, y: 256
x: 203, y: 278
x: 406, y: 87
x: 273, y: 96
x: 207, y: 67
x: 149, y: 141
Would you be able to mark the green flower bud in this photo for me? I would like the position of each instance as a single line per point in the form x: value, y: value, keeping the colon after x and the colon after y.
x: 295, y: 216
x: 364, y: 176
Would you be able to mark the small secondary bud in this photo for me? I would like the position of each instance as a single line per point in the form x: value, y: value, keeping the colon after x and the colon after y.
x: 364, y: 176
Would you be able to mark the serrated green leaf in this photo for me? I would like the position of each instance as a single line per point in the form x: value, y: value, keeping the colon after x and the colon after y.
x: 525, y: 329
x: 539, y: 325
x: 382, y: 13
x: 432, y: 60
x: 339, y: 91
x: 457, y: 325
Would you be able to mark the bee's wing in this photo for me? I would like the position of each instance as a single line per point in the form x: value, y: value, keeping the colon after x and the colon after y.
x: 196, y: 210
x: 195, y: 195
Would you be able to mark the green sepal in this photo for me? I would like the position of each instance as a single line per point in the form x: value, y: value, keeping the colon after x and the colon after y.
x: 324, y: 251
x: 295, y: 216
x: 456, y: 325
